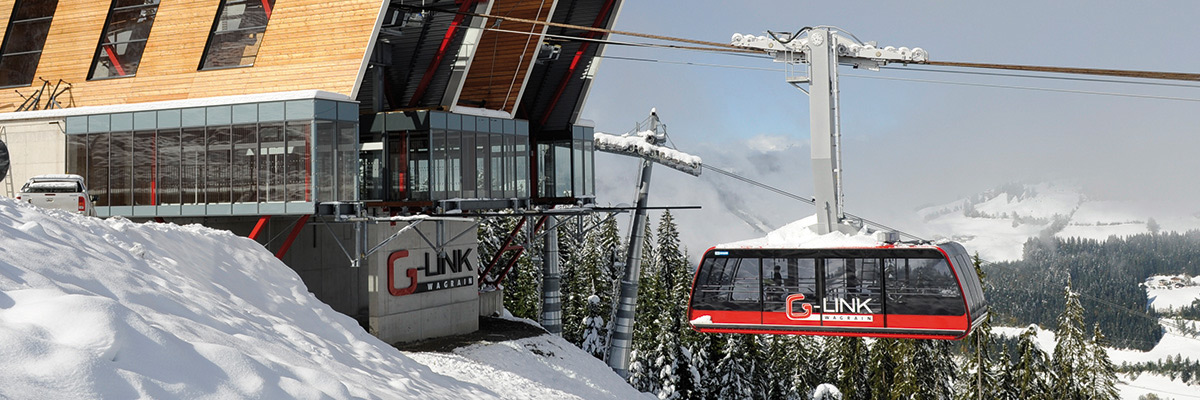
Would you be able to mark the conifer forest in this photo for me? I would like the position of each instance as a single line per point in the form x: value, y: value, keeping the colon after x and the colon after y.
x: 1085, y: 291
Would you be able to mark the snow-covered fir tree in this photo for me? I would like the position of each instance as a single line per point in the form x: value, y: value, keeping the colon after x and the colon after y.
x: 849, y: 364
x: 705, y: 349
x: 1031, y: 374
x: 825, y: 391
x: 981, y: 371
x: 734, y: 373
x: 1005, y: 384
x: 640, y: 375
x: 1070, y: 360
x: 572, y: 250
x: 936, y: 370
x: 593, y: 333
x: 1103, y: 380
x: 779, y: 367
x: 881, y: 367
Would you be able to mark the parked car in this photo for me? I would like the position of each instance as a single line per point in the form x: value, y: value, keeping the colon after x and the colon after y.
x: 60, y: 191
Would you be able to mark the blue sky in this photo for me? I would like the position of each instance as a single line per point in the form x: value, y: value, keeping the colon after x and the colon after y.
x: 909, y: 144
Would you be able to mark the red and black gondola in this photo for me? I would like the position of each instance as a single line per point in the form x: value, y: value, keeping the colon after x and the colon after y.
x: 918, y: 291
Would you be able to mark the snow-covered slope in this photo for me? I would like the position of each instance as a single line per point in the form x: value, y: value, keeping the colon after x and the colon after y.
x: 95, y: 308
x: 998, y: 222
x: 1173, y: 343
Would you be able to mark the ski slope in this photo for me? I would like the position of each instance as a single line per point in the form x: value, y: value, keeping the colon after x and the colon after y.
x: 94, y: 308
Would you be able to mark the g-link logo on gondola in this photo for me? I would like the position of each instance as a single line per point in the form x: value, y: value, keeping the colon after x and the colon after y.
x: 840, y: 310
x: 456, y: 262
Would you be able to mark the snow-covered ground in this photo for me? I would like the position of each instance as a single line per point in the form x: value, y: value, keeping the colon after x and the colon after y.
x: 998, y: 223
x: 94, y: 308
x: 1171, y: 344
x: 1165, y: 293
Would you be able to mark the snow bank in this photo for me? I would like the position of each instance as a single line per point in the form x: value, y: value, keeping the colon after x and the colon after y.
x: 540, y: 367
x: 636, y: 144
x: 94, y: 308
x: 798, y: 235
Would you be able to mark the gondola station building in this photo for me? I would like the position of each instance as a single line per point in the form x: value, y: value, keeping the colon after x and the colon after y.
x: 329, y: 131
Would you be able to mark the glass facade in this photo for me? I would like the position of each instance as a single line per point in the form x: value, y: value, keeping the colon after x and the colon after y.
x: 124, y: 38
x: 434, y: 155
x: 24, y: 40
x: 302, y: 151
x: 566, y: 167
x: 237, y: 33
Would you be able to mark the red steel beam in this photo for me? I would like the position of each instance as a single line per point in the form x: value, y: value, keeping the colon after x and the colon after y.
x: 292, y: 237
x: 112, y: 57
x: 483, y: 272
x: 575, y: 61
x: 267, y: 8
x: 262, y: 222
x: 520, y: 250
x: 441, y: 53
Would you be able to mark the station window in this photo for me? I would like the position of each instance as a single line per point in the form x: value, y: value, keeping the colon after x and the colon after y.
x: 237, y: 33
x: 24, y: 40
x: 124, y: 38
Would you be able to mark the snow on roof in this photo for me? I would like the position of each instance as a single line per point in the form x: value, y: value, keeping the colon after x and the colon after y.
x: 637, y: 144
x: 170, y: 104
x: 93, y: 308
x: 799, y: 235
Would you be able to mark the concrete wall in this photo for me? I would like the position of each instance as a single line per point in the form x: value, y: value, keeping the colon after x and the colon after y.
x: 443, y: 301
x: 35, y: 147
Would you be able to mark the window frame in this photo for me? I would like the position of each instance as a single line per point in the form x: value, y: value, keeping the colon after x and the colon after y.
x: 8, y: 35
x: 212, y: 33
x: 112, y: 10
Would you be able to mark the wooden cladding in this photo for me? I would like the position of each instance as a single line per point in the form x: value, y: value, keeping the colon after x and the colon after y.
x: 501, y: 65
x: 308, y: 45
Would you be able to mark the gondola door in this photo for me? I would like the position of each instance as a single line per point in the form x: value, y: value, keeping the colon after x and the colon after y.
x: 791, y: 295
x: 852, y: 293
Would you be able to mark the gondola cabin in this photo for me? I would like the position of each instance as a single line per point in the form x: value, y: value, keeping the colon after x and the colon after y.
x: 890, y: 291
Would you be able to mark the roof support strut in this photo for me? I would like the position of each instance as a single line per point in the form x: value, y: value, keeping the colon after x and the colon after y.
x: 441, y: 53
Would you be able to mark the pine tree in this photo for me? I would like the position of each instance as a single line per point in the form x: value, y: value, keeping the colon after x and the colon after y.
x: 1006, y: 385
x: 593, y: 333
x: 640, y: 376
x: 1031, y: 372
x: 734, y: 371
x: 906, y: 383
x: 980, y: 371
x: 1070, y: 350
x: 672, y: 264
x: 779, y: 367
x: 574, y: 290
x: 812, y: 361
x: 704, y: 348
x: 1104, y: 378
x: 881, y: 368
x: 937, y: 372
x: 850, y: 367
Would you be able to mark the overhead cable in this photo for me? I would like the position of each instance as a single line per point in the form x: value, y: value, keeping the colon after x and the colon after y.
x: 805, y: 199
x: 1178, y: 76
x: 729, y: 48
x: 912, y: 68
x: 1141, y: 96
